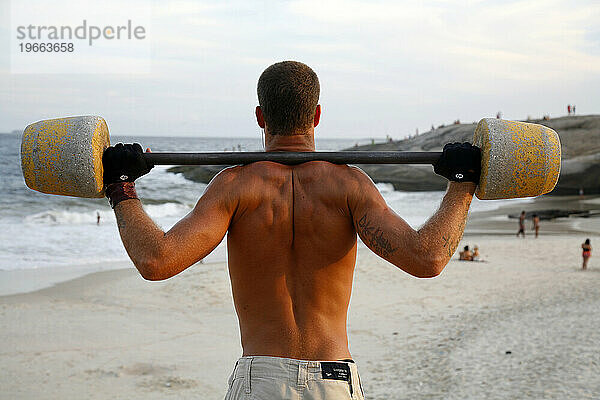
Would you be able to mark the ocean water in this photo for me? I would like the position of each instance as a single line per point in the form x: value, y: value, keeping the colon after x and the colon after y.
x: 44, y: 231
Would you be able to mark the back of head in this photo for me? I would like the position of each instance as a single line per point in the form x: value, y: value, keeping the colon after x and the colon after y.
x: 587, y: 241
x: 466, y: 248
x: 288, y: 94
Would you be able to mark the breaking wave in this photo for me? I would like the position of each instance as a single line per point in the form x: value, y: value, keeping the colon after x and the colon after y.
x: 59, y: 217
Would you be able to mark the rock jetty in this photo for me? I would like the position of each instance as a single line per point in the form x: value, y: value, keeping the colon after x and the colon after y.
x: 580, y: 170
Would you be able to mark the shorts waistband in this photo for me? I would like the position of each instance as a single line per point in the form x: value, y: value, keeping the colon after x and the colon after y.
x: 297, y: 373
x: 286, y: 368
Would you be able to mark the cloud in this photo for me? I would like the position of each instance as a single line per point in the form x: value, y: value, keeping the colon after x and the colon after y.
x: 384, y: 66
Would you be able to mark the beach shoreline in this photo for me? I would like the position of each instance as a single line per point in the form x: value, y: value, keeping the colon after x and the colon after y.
x: 479, y: 224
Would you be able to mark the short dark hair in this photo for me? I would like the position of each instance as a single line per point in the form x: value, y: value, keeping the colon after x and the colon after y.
x: 466, y: 248
x: 587, y: 241
x: 288, y: 94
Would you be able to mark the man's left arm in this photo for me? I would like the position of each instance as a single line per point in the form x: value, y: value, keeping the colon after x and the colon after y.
x: 160, y: 255
x: 157, y: 254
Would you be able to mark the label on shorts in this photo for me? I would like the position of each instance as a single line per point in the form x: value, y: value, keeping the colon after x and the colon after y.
x: 336, y: 371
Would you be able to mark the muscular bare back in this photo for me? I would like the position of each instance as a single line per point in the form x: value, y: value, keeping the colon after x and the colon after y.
x: 292, y: 247
x: 292, y: 250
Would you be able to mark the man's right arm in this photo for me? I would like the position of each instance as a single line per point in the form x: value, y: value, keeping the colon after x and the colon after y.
x: 423, y: 253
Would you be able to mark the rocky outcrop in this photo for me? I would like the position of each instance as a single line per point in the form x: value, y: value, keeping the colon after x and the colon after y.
x: 580, y: 141
x: 579, y: 173
x: 580, y: 169
x: 197, y: 173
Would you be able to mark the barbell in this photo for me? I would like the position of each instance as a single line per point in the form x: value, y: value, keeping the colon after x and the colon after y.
x: 63, y: 156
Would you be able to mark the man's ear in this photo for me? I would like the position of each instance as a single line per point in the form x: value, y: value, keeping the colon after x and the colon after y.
x: 260, y: 119
x: 317, y: 115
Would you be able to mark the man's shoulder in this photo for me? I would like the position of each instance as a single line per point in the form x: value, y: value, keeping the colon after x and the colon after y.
x: 335, y: 175
x: 269, y: 168
x: 325, y: 172
x: 227, y: 175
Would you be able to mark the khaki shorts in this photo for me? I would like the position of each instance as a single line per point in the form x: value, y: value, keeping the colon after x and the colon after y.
x: 274, y: 378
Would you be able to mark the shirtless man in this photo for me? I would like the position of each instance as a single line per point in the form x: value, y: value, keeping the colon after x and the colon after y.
x: 535, y: 219
x: 291, y: 242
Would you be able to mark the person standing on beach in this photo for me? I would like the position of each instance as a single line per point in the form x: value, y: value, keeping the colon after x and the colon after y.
x: 521, y: 224
x: 97, y: 217
x: 536, y: 224
x: 587, y: 252
x: 291, y: 242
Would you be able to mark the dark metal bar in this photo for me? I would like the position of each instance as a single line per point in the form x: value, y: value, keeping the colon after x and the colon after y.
x: 290, y: 158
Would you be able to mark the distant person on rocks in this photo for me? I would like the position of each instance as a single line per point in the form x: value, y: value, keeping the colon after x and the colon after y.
x: 569, y: 109
x: 97, y: 218
x: 581, y: 192
x: 536, y: 224
x: 465, y: 255
x: 573, y: 109
x: 498, y: 115
x: 521, y: 224
x: 587, y: 252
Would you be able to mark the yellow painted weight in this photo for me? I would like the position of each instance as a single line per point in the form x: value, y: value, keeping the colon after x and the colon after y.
x: 64, y: 156
x: 519, y: 159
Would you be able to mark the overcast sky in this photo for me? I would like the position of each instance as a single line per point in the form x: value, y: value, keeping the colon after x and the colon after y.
x: 385, y: 67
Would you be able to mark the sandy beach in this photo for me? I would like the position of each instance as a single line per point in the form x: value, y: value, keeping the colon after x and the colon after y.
x: 523, y: 324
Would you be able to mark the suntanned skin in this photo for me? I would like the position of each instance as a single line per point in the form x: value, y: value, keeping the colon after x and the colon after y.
x: 586, y: 247
x: 536, y: 225
x: 291, y: 242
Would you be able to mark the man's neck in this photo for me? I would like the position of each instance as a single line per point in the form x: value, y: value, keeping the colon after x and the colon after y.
x: 304, y: 142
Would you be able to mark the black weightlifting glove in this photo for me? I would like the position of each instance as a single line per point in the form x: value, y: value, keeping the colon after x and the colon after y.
x: 124, y: 163
x: 460, y: 162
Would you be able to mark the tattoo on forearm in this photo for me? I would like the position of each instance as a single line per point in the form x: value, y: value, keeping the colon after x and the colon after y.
x: 450, y: 245
x: 375, y: 237
x: 120, y: 220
